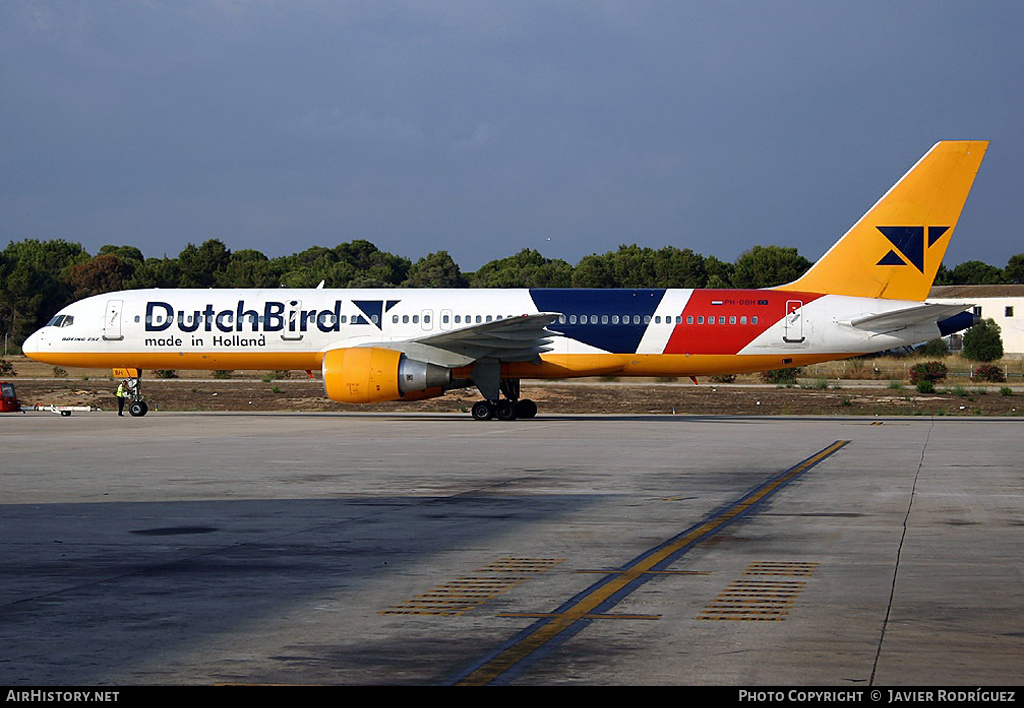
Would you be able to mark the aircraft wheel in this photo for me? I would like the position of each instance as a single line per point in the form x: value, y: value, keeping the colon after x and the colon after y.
x: 138, y: 408
x: 482, y: 410
x: 526, y: 408
x: 506, y: 410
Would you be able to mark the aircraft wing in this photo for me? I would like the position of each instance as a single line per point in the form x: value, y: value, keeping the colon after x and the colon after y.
x: 522, y: 338
x: 907, y: 317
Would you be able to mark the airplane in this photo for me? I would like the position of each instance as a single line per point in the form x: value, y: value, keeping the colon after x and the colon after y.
x: 866, y: 294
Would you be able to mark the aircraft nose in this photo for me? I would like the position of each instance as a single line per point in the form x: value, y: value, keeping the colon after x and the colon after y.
x: 32, y: 345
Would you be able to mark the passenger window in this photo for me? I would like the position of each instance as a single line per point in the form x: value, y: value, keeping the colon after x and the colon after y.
x: 689, y: 319
x: 415, y: 319
x: 700, y: 320
x: 604, y: 319
x: 753, y: 320
x: 732, y: 320
x: 394, y: 319
x: 743, y: 319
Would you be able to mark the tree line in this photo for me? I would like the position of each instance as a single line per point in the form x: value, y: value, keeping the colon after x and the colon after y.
x: 38, y: 278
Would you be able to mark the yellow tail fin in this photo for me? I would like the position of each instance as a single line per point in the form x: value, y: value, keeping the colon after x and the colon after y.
x: 896, y: 248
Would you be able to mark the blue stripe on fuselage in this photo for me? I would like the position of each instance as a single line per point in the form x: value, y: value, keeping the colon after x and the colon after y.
x: 606, y: 305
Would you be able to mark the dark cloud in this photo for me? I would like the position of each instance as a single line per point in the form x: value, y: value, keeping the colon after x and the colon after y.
x: 482, y: 128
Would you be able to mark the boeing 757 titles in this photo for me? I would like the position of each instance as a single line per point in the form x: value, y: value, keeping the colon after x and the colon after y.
x: 866, y: 294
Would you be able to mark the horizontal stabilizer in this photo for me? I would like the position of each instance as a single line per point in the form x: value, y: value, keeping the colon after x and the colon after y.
x: 907, y: 317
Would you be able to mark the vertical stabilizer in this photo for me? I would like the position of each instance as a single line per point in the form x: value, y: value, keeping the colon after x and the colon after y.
x: 895, y: 250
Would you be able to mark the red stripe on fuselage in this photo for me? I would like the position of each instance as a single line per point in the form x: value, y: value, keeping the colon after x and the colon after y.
x: 722, y: 321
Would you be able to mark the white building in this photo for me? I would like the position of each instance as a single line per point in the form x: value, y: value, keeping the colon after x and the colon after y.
x: 1002, y: 303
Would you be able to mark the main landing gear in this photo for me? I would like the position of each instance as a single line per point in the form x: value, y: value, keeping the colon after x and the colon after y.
x: 504, y: 409
x: 507, y: 406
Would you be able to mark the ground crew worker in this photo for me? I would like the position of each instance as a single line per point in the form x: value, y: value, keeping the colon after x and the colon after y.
x: 122, y: 392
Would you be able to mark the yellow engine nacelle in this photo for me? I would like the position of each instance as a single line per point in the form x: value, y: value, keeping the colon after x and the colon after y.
x: 370, y: 375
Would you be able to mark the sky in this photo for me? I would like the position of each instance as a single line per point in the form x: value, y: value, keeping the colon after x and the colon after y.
x: 482, y: 128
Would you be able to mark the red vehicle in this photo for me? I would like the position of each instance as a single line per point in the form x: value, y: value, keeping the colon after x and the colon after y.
x: 8, y: 398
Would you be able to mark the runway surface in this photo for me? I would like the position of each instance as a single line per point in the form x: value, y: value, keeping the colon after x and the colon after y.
x: 430, y: 549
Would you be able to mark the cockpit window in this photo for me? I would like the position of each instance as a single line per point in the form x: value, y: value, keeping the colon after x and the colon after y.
x: 61, y: 321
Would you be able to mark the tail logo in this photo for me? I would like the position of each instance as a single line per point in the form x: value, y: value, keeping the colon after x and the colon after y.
x: 909, y: 241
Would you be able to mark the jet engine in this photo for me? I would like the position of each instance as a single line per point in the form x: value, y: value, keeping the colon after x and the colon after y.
x: 371, y: 374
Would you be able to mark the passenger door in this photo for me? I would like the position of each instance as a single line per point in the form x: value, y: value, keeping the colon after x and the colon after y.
x: 793, y: 325
x: 112, y: 321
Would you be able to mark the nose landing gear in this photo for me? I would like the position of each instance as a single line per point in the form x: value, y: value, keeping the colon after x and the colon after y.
x: 137, y: 406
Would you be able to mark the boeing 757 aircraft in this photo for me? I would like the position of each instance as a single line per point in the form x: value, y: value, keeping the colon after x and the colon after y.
x: 866, y: 294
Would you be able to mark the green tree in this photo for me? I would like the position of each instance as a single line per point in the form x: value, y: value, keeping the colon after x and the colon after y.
x: 436, y: 270
x: 767, y: 266
x: 33, y: 283
x: 101, y: 274
x: 633, y: 266
x: 983, y: 342
x: 203, y: 266
x: 369, y: 263
x: 526, y: 269
x: 719, y: 273
x: 933, y: 347
x: 943, y: 276
x: 594, y: 271
x: 679, y: 268
x: 156, y: 273
x: 313, y: 265
x: 249, y: 268
x: 977, y: 273
x: 1014, y: 270
x: 126, y: 253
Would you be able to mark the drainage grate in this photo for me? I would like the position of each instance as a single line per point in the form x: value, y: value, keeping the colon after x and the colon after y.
x: 780, y: 568
x: 464, y: 594
x: 760, y: 600
x: 521, y: 565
